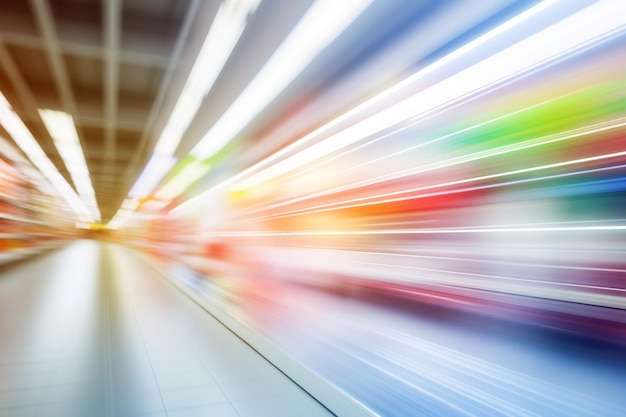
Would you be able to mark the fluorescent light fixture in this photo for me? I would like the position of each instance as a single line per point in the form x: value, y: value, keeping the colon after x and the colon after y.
x: 123, y: 214
x: 61, y: 127
x: 155, y: 170
x: 554, y: 42
x: 187, y: 176
x: 27, y: 143
x: 297, y: 51
x: 225, y: 31
x: 120, y: 218
x: 10, y: 152
x: 130, y: 204
x: 155, y: 205
x: 220, y: 41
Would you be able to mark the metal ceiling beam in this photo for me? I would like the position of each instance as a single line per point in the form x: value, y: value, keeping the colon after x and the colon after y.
x: 76, y: 48
x: 28, y: 101
x: 88, y: 121
x: 98, y: 162
x: 17, y: 81
x: 45, y: 22
x: 112, y: 12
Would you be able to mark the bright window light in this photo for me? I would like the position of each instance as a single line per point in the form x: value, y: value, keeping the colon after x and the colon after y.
x: 61, y: 127
x: 303, y: 44
x: 27, y: 143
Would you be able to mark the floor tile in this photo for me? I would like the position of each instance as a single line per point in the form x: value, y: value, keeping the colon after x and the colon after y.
x: 212, y: 410
x: 184, y: 379
x: 265, y: 407
x: 193, y: 396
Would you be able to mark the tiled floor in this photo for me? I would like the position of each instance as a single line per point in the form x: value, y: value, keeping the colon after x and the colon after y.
x: 91, y: 331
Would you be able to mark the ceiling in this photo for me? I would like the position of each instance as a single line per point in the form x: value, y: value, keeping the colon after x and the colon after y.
x: 117, y: 67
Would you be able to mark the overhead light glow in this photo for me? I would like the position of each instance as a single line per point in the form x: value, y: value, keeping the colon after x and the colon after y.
x: 123, y: 214
x: 119, y: 219
x: 157, y: 167
x: 369, y: 104
x: 130, y: 204
x: 567, y: 35
x: 187, y: 176
x: 155, y: 205
x: 303, y: 44
x: 281, y: 69
x: 27, y: 143
x: 61, y: 127
x: 220, y: 41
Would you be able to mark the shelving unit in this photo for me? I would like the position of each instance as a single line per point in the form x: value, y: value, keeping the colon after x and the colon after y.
x: 28, y: 222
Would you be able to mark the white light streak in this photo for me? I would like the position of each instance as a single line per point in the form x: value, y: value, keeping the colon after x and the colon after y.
x: 434, y: 231
x: 61, y: 127
x: 183, y: 180
x: 374, y: 101
x: 365, y: 201
x: 300, y: 47
x: 560, y: 39
x: 527, y: 144
x: 155, y: 169
x: 227, y: 27
x: 28, y: 144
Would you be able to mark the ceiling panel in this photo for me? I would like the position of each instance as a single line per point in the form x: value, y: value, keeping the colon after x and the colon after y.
x: 140, y: 80
x: 107, y: 67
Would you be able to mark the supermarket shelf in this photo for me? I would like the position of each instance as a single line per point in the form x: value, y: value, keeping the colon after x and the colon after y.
x: 17, y: 203
x: 19, y: 254
x: 13, y: 236
x: 12, y: 217
x: 25, y: 235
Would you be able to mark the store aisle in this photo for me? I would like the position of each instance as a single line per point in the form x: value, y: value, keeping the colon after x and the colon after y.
x: 90, y: 330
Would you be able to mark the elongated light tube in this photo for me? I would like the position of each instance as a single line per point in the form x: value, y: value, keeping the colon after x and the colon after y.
x: 61, y: 127
x: 28, y: 144
x: 219, y: 43
x: 300, y: 47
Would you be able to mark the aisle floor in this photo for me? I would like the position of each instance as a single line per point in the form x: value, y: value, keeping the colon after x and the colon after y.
x: 91, y: 330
